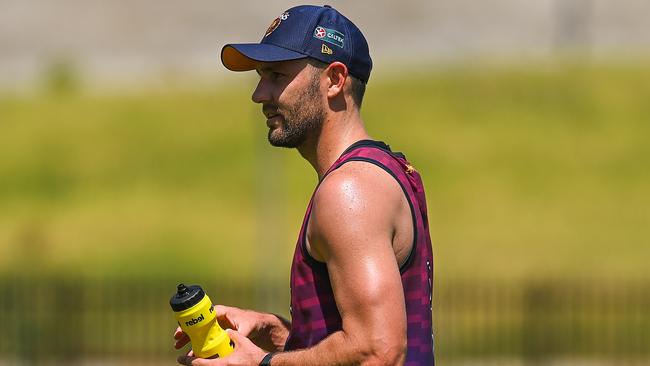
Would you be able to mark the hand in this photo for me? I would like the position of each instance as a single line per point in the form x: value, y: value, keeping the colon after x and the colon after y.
x: 245, y: 322
x: 181, y: 338
x: 245, y: 354
x: 267, y: 331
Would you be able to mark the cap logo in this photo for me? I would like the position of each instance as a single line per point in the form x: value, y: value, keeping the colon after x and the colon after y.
x: 326, y: 50
x: 319, y: 32
x: 276, y: 23
x: 329, y: 35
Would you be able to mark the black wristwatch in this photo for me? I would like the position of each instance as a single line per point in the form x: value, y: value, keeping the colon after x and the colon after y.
x: 266, y: 361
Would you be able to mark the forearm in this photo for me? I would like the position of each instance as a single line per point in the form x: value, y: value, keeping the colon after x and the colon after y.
x: 341, y: 349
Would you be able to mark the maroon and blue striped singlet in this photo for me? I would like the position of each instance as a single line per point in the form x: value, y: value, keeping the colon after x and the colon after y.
x: 313, y: 310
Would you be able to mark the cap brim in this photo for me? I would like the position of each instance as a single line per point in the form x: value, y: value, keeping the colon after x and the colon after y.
x: 244, y: 56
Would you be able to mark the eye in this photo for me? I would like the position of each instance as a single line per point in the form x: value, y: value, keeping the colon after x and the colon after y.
x: 271, y: 75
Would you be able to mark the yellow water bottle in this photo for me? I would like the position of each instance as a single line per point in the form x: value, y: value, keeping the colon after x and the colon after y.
x: 195, y: 314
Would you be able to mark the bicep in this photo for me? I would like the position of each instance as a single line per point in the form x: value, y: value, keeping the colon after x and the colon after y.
x: 368, y: 293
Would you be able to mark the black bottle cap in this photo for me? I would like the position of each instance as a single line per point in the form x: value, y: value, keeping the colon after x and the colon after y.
x: 186, y: 297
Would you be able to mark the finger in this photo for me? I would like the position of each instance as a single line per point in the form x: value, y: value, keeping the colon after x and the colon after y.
x: 178, y: 333
x: 236, y: 337
x: 182, y: 341
x: 203, y: 362
x: 222, y: 317
x: 185, y: 360
x: 220, y: 310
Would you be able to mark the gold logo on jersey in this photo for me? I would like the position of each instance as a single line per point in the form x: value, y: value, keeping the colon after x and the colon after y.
x: 410, y: 169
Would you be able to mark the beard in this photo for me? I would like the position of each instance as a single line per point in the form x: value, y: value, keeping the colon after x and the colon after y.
x: 301, y: 120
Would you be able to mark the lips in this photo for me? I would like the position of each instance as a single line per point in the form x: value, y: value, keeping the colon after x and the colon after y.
x: 272, y: 116
x: 272, y: 122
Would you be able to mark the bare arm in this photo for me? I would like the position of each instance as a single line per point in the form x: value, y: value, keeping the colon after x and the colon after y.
x: 351, y: 230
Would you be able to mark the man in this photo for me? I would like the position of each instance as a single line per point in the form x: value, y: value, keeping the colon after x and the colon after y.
x: 361, y: 277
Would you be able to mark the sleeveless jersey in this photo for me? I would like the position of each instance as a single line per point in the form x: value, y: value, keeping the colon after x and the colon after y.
x: 313, y: 309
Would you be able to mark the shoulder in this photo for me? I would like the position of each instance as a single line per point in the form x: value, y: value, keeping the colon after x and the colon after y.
x: 357, y: 185
x: 355, y: 203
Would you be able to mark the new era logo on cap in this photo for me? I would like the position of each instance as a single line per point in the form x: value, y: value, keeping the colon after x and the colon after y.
x: 302, y: 32
x: 326, y: 50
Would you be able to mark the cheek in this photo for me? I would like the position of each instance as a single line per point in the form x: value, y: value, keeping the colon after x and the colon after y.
x: 286, y: 101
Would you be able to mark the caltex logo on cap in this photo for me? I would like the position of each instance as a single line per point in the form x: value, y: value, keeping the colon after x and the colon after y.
x: 319, y: 32
x: 329, y: 35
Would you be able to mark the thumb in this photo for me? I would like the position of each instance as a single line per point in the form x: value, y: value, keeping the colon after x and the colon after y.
x: 200, y: 362
x: 223, y: 318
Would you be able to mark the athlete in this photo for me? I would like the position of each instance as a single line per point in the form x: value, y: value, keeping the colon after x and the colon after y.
x: 361, y: 278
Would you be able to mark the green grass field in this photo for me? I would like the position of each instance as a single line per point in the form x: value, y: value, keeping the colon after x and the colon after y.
x: 531, y: 170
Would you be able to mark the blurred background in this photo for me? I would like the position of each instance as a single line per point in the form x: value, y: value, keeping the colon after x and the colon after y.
x: 131, y: 161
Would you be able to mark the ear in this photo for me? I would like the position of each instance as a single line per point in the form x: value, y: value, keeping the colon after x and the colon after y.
x: 336, y: 74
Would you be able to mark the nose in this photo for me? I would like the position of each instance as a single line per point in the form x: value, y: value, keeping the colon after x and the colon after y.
x: 262, y: 93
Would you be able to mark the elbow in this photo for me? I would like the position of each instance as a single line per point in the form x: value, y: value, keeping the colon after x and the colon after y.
x: 393, y: 354
x: 396, y: 355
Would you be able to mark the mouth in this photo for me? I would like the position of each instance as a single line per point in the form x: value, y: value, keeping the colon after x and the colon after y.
x: 273, y: 119
x: 273, y: 122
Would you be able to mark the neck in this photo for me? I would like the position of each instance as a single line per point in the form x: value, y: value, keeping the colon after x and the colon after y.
x: 339, y: 131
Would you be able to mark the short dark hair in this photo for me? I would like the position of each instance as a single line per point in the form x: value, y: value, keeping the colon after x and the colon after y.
x: 358, y: 90
x: 358, y: 87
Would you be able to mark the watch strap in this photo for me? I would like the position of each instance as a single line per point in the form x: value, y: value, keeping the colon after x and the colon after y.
x: 266, y: 361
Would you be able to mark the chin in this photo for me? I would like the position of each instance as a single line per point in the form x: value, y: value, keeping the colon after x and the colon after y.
x: 282, y: 141
x: 276, y: 139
